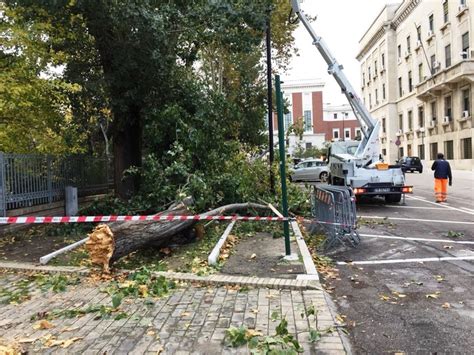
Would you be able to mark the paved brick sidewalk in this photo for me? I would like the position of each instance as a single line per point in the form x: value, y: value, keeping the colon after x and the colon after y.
x: 191, y: 319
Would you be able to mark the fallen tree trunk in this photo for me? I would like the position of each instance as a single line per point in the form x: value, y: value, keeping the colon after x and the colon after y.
x: 108, y: 243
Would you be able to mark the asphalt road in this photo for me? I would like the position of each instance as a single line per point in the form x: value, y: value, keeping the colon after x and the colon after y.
x: 421, y: 305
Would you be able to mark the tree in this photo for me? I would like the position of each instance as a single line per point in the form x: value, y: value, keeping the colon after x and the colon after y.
x: 179, y: 83
x: 35, y: 115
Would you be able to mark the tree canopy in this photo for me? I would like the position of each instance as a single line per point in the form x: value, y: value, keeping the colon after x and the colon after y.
x: 178, y: 86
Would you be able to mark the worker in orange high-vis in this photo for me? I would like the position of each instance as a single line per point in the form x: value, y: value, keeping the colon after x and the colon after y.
x: 442, y: 173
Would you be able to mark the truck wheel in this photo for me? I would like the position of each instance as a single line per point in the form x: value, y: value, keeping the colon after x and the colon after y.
x: 393, y: 198
x: 323, y: 176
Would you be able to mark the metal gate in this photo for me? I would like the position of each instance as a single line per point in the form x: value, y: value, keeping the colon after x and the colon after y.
x: 334, y: 209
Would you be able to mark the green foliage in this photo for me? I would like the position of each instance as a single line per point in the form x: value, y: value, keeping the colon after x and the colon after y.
x: 313, y: 152
x: 314, y: 335
x: 130, y: 68
x: 454, y: 234
x: 101, y: 311
x: 18, y: 294
x: 235, y: 337
x: 20, y: 290
x: 280, y: 343
x: 282, y: 328
x: 139, y: 284
x: 55, y: 282
x: 34, y: 103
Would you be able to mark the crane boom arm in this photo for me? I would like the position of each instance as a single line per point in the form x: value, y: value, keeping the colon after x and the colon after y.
x: 366, y: 149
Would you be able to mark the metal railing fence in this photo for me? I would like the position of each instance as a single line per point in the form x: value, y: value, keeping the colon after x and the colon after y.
x: 28, y: 180
x: 334, y: 209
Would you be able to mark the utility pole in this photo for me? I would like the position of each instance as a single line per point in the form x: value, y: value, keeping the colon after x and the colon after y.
x: 270, y: 102
x: 281, y: 144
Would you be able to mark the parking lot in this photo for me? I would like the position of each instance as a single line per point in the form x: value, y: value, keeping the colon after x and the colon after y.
x: 408, y: 287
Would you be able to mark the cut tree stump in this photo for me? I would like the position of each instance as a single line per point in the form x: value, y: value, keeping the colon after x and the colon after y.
x: 109, y: 242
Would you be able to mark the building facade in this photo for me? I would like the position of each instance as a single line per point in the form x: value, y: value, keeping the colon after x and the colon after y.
x: 304, y: 100
x: 417, y: 69
x: 340, y: 123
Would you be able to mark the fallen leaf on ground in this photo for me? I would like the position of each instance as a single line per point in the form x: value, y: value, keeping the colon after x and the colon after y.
x: 69, y: 329
x: 50, y: 341
x: 446, y: 305
x: 143, y: 289
x: 384, y: 298
x: 432, y: 295
x: 43, y: 324
x: 255, y: 311
x: 127, y: 284
x: 10, y: 347
x: 27, y: 340
x: 69, y: 342
x: 253, y: 256
x: 185, y: 314
x: 439, y: 278
x: 250, y: 333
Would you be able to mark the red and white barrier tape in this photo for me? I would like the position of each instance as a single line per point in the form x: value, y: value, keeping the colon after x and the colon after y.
x: 92, y: 219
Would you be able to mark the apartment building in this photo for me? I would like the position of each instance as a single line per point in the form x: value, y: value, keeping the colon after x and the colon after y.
x: 304, y: 99
x: 340, y: 123
x: 417, y: 69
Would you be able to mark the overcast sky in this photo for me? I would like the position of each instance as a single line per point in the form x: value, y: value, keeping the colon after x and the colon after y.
x: 341, y: 23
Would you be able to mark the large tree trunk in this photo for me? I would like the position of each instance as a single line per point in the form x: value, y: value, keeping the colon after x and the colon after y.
x: 127, y: 143
x: 108, y: 243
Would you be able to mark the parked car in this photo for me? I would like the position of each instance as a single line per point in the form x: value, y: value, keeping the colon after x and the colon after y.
x: 411, y: 164
x: 310, y: 170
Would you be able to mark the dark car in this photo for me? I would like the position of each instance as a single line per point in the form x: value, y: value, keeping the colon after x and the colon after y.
x: 411, y: 164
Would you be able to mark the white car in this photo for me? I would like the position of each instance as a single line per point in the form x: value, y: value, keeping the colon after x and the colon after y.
x: 310, y: 170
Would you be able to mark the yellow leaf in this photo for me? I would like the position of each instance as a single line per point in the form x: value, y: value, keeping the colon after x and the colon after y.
x: 126, y: 284
x: 43, y: 324
x: 250, y: 333
x: 143, y: 289
x: 27, y: 340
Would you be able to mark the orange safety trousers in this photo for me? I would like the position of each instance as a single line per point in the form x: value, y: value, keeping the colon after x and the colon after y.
x: 441, y: 190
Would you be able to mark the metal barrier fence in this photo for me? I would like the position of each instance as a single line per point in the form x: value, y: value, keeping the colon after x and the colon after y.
x: 27, y: 180
x: 334, y: 209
